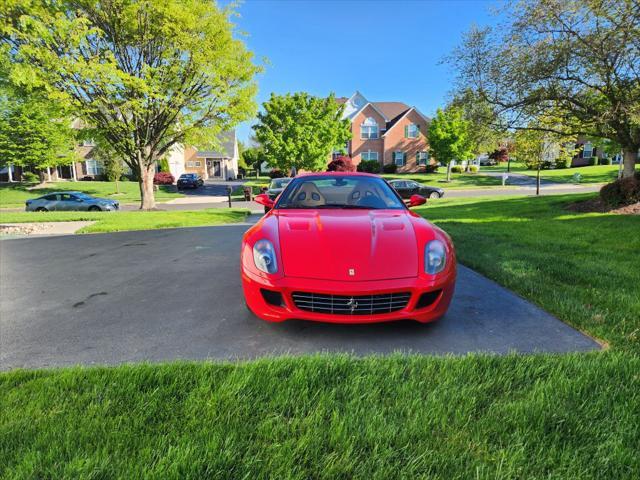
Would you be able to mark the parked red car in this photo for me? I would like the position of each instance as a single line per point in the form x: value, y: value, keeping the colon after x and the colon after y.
x: 342, y: 247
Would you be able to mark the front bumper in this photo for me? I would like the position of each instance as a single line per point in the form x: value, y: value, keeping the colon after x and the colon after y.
x: 253, y: 286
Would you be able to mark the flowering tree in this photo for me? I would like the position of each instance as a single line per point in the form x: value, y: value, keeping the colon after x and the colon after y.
x: 341, y: 163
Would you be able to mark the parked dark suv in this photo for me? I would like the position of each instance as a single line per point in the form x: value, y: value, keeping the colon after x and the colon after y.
x: 190, y: 180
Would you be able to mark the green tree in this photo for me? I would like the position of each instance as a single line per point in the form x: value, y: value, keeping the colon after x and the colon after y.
x: 253, y: 157
x: 580, y: 57
x: 449, y: 137
x: 300, y: 130
x: 539, y: 145
x: 485, y: 131
x: 34, y: 132
x: 148, y: 74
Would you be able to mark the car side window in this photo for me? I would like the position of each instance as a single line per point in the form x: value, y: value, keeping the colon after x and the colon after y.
x: 412, y: 184
x: 51, y: 198
x: 400, y: 184
x: 65, y: 197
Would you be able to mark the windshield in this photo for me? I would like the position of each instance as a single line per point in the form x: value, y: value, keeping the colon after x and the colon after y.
x: 339, y: 192
x: 279, y: 183
x: 188, y: 175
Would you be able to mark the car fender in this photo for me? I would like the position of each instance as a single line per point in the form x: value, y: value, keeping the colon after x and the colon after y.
x: 266, y: 228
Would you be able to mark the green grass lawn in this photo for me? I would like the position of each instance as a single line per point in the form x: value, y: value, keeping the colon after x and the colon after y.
x: 16, y: 194
x: 121, y: 221
x: 592, y: 174
x: 327, y: 417
x: 582, y: 267
x: 478, y: 416
x: 458, y: 180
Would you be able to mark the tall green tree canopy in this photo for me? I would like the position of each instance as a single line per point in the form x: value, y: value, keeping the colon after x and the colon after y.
x: 449, y: 137
x: 485, y: 130
x: 578, y: 57
x: 33, y: 131
x: 300, y: 130
x: 149, y: 74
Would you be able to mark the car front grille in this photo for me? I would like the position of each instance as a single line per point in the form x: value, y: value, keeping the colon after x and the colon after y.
x: 351, y: 305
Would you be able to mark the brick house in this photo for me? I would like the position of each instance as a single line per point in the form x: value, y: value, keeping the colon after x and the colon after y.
x: 389, y: 132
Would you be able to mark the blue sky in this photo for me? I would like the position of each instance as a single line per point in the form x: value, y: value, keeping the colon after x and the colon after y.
x: 388, y: 50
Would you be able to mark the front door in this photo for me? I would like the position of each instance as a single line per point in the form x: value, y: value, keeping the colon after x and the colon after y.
x: 214, y: 168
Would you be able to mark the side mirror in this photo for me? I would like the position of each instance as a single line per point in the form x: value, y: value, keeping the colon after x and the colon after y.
x: 417, y: 200
x: 263, y: 199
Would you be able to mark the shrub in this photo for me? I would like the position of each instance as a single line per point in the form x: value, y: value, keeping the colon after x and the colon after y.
x: 457, y: 169
x: 431, y: 168
x: 624, y: 191
x: 276, y: 174
x: 390, y: 168
x: 500, y: 154
x: 369, y: 166
x: 474, y: 168
x: 592, y: 160
x: 341, y: 164
x: 562, y: 163
x: 163, y: 178
x: 605, y: 161
x: 30, y: 177
x: 163, y: 164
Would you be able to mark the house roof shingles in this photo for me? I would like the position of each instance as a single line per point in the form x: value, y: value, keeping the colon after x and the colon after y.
x: 226, y: 142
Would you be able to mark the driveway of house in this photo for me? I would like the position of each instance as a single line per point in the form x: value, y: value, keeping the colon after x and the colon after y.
x: 175, y: 294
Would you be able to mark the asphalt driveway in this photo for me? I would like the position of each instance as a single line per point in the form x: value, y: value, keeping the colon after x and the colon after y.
x: 175, y: 294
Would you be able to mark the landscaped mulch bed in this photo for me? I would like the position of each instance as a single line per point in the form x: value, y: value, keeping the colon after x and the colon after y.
x: 598, y: 206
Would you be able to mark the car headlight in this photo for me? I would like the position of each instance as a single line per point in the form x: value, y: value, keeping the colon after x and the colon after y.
x: 435, y: 257
x: 264, y: 256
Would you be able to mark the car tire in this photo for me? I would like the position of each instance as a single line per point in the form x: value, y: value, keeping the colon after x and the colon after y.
x: 434, y: 195
x: 94, y: 209
x: 41, y: 209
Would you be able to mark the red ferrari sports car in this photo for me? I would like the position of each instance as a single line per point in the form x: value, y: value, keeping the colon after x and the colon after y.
x: 343, y: 247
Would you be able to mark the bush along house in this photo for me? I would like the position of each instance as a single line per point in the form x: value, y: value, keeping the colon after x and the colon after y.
x: 391, y: 133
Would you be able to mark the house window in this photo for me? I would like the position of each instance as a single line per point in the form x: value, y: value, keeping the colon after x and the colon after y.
x: 190, y: 164
x: 369, y: 155
x: 398, y: 158
x: 587, y: 151
x: 198, y: 164
x: 369, y: 129
x: 411, y: 131
x: 94, y: 167
x: 422, y: 158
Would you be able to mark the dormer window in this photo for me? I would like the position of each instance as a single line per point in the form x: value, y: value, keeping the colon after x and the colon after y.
x: 369, y: 129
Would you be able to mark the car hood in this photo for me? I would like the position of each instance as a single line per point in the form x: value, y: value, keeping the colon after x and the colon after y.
x: 347, y: 245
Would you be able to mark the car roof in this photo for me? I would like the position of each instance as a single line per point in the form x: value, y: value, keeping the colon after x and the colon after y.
x: 336, y: 174
x: 62, y: 193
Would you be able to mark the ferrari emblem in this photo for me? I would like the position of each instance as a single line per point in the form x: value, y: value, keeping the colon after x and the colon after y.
x: 352, y: 304
x: 352, y: 272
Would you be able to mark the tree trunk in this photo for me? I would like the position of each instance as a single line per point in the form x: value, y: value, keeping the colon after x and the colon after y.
x: 449, y: 172
x: 538, y: 180
x: 147, y: 197
x: 10, y: 172
x: 630, y: 157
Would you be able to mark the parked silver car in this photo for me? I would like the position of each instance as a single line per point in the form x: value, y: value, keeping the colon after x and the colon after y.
x: 70, y: 201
